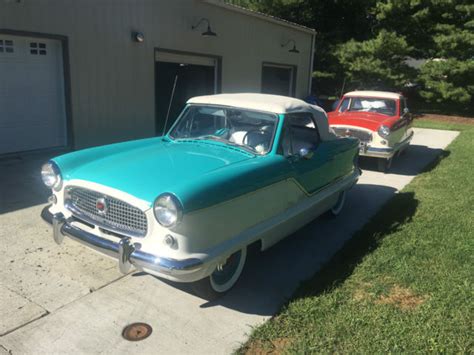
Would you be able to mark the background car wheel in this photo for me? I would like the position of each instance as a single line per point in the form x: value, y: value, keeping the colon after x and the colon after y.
x: 337, y: 208
x: 223, y: 278
x: 384, y: 165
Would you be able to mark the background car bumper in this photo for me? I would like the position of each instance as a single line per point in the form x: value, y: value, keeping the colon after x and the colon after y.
x: 128, y: 253
x: 386, y: 153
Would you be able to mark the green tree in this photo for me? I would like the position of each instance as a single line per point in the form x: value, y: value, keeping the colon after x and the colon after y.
x: 377, y: 63
x: 442, y: 32
x: 335, y: 22
x: 449, y: 81
x: 367, y: 42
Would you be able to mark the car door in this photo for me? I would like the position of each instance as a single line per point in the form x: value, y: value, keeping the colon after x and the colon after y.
x: 310, y: 157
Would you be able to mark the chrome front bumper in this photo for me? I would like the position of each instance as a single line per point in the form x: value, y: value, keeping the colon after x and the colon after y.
x: 387, y: 153
x: 124, y: 250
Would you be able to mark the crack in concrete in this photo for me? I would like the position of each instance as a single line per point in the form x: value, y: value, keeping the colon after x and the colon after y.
x: 57, y: 309
x: 25, y: 324
x: 23, y: 296
x: 6, y: 350
x: 92, y: 291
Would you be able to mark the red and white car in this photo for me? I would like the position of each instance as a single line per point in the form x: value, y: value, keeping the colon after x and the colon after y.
x: 379, y: 119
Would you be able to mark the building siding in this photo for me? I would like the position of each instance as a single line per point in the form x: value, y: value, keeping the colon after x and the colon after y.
x: 112, y: 78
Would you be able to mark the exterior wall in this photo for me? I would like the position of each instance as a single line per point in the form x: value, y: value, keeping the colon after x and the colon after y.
x: 112, y: 78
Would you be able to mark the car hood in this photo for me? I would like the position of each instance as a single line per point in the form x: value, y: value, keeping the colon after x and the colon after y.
x: 149, y: 167
x: 369, y: 120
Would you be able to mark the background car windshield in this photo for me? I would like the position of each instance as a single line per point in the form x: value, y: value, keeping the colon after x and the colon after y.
x: 250, y: 129
x: 370, y: 104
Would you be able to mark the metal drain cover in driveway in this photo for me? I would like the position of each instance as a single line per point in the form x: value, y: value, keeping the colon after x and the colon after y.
x: 137, y: 331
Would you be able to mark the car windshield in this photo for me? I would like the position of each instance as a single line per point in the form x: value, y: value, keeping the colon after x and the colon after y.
x: 370, y: 104
x: 251, y: 130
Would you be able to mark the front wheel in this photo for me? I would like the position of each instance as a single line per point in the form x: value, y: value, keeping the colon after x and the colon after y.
x: 223, y: 278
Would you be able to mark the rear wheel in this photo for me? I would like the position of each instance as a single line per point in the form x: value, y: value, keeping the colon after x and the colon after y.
x: 337, y: 208
x: 223, y: 278
x: 384, y: 165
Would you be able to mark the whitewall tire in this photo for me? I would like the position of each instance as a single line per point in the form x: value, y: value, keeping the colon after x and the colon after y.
x: 223, y: 278
x: 337, y: 208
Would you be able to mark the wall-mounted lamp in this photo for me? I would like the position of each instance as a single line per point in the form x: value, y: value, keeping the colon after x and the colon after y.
x: 208, y: 32
x: 292, y: 50
x: 138, y: 37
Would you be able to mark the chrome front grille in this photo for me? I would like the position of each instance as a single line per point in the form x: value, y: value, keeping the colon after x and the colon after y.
x: 117, y: 216
x: 363, y: 136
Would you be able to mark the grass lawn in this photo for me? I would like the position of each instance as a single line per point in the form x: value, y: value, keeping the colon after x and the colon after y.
x: 404, y: 283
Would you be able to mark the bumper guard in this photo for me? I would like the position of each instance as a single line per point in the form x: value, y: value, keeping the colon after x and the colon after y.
x: 125, y: 251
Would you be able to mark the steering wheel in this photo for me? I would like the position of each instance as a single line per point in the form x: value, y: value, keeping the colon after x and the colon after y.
x: 256, y: 137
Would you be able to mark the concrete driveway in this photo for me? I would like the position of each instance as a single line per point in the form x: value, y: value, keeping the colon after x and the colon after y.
x: 70, y: 299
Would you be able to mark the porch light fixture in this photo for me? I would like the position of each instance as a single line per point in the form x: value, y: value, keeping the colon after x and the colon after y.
x: 292, y: 50
x: 208, y: 32
x: 138, y: 37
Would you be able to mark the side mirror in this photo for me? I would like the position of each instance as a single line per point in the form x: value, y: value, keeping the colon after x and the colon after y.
x: 406, y: 110
x: 305, y: 153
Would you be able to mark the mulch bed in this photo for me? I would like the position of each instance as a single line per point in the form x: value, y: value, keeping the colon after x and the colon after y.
x: 444, y: 118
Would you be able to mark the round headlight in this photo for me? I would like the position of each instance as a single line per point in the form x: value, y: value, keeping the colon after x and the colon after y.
x: 51, y: 176
x: 168, y: 210
x: 384, y: 131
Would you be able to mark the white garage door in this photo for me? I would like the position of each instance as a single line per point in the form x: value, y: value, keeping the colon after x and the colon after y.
x: 32, y: 107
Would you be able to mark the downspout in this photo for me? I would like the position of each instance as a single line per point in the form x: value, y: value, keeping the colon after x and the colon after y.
x: 311, y: 63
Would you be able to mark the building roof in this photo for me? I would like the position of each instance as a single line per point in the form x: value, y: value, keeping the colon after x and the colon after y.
x: 378, y: 94
x: 261, y: 15
x: 268, y: 103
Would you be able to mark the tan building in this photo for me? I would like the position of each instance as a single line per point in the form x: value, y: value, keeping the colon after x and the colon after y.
x: 89, y: 72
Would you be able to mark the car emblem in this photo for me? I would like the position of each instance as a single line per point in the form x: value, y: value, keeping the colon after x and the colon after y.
x: 101, y: 205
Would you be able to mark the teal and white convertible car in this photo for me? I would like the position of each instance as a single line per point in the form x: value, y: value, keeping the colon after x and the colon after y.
x: 234, y: 170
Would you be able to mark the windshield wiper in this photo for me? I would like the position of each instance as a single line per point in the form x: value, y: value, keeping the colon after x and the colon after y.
x: 211, y: 137
x: 225, y: 141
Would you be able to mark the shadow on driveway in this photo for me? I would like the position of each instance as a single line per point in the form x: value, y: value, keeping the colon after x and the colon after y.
x: 400, y: 210
x: 20, y: 184
x: 411, y: 163
x: 270, y: 278
x: 323, y: 254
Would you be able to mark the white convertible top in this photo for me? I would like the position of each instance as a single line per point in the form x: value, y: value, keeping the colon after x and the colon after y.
x: 377, y: 94
x: 269, y: 103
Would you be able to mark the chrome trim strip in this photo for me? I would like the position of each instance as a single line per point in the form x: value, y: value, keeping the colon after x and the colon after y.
x: 381, y: 150
x: 127, y: 253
